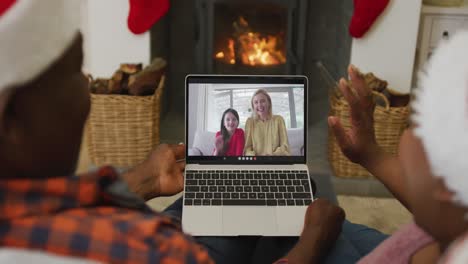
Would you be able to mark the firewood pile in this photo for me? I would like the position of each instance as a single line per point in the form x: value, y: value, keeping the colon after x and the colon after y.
x: 131, y: 79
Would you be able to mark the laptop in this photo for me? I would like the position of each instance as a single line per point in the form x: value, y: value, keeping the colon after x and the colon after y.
x: 261, y: 189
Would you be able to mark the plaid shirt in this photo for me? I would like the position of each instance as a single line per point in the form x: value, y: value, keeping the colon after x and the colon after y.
x: 93, y: 216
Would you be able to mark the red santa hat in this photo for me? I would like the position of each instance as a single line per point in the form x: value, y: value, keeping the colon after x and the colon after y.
x: 34, y: 34
x: 441, y: 113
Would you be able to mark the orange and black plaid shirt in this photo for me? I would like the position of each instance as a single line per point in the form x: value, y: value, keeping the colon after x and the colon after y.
x: 93, y: 216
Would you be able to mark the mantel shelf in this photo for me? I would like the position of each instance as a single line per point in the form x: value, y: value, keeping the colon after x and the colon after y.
x: 439, y: 10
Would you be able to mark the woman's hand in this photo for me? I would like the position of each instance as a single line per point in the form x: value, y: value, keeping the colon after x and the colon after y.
x: 358, y: 144
x: 160, y: 174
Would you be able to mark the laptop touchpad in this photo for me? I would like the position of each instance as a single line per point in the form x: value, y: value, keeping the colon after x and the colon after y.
x: 245, y: 220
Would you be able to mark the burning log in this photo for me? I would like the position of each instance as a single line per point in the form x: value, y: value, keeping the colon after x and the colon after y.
x: 250, y: 47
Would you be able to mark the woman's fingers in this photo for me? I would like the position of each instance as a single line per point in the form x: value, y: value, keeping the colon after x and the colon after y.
x: 359, y: 84
x: 339, y: 132
x: 347, y: 93
x: 351, y: 98
x: 362, y: 91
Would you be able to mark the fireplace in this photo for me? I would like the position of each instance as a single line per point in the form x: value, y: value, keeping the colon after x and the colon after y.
x: 193, y: 32
x: 250, y: 37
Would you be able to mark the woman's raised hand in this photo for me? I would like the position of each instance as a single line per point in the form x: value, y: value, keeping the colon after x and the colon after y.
x: 358, y: 144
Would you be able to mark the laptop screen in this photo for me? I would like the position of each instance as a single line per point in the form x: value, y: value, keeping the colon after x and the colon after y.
x: 246, y: 119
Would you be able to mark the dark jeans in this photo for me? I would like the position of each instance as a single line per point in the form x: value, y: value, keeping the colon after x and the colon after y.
x: 354, y: 242
x: 227, y: 250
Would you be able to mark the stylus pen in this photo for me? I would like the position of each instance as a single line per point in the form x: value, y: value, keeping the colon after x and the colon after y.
x: 180, y: 160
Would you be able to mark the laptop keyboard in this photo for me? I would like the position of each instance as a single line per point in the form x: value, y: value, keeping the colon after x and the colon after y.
x: 247, y: 187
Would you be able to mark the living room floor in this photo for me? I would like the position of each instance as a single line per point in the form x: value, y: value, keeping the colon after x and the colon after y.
x: 365, y: 201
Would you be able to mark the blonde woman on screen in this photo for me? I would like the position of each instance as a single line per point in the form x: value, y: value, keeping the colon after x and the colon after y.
x: 265, y: 133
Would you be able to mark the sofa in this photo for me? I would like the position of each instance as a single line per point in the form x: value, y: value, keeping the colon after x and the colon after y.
x: 203, y: 142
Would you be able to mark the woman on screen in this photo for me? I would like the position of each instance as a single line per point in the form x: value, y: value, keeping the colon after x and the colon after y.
x: 265, y: 133
x: 229, y: 140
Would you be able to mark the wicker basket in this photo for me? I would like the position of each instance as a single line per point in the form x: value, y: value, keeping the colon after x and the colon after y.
x: 389, y: 124
x: 123, y: 129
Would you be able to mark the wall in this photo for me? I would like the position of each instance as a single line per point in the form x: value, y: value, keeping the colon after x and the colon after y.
x: 388, y: 49
x: 107, y: 40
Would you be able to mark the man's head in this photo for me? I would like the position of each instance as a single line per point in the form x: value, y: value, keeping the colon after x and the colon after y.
x: 433, y: 154
x: 44, y: 99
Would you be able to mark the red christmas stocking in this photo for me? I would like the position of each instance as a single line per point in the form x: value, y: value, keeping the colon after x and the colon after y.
x: 365, y: 13
x: 5, y: 5
x: 144, y: 13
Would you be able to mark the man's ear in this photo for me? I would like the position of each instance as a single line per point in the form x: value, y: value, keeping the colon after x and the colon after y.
x: 441, y: 192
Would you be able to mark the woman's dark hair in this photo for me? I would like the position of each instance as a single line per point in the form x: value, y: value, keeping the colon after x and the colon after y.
x: 224, y: 132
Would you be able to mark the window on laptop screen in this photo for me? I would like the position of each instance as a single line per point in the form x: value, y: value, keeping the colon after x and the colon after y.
x: 246, y: 120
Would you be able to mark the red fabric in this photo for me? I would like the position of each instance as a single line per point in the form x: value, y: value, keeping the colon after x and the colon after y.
x: 365, y: 14
x: 236, y: 144
x: 144, y: 13
x: 5, y: 5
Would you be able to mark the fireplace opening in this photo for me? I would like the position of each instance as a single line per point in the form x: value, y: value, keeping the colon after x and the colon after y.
x: 250, y: 37
x: 250, y: 47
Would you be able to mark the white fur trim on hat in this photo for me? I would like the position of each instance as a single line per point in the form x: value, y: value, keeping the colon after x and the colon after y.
x: 441, y: 113
x: 457, y: 253
x: 34, y: 34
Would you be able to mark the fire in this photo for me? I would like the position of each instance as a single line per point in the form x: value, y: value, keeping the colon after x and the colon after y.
x: 251, y: 48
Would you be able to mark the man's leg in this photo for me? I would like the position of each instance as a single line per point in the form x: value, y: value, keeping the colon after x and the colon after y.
x: 223, y: 250
x: 175, y: 209
x: 354, y: 242
x: 364, y: 239
x: 270, y: 249
x: 229, y: 250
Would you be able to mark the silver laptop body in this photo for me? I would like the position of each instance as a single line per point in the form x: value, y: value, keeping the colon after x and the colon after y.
x: 244, y: 195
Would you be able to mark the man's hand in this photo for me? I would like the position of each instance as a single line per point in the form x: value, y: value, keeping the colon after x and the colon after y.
x: 322, y: 226
x: 358, y: 144
x: 160, y: 174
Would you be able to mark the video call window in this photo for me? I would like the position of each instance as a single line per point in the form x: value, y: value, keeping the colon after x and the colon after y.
x: 208, y: 102
x: 287, y: 102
